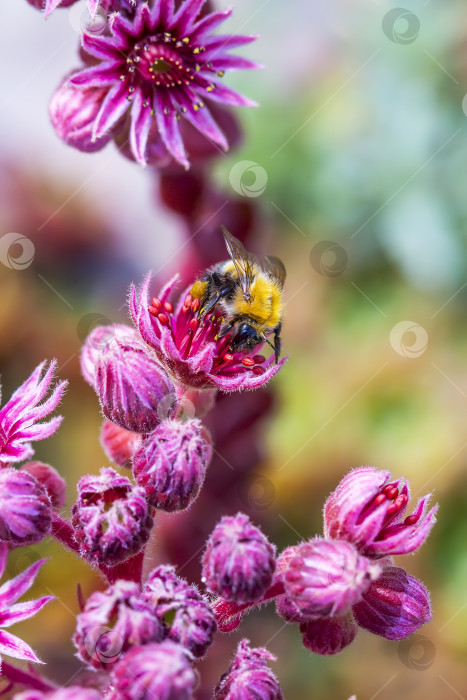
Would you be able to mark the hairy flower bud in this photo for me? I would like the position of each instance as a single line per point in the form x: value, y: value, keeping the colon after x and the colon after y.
x: 73, y: 112
x: 328, y: 635
x: 327, y: 577
x: 111, y: 518
x: 50, y: 480
x: 249, y: 676
x: 113, y: 621
x: 130, y: 385
x: 394, y: 606
x: 25, y: 510
x: 171, y: 463
x: 369, y: 510
x: 154, y: 671
x: 239, y: 561
x: 98, y: 341
x: 119, y: 444
x: 187, y: 616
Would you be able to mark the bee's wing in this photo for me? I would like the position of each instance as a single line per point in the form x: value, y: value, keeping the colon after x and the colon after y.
x: 243, y: 260
x: 275, y: 268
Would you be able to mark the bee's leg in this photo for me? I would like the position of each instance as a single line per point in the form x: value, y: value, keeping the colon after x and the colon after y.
x: 277, y: 342
x: 221, y: 293
x: 225, y: 329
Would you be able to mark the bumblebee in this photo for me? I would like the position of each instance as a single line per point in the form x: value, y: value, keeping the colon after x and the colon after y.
x: 248, y: 291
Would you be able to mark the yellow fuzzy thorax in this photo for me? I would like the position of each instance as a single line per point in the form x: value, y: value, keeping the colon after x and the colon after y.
x: 264, y: 305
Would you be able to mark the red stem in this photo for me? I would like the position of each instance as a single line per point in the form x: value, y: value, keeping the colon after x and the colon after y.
x: 229, y: 614
x: 29, y: 679
x: 63, y: 531
x: 131, y: 569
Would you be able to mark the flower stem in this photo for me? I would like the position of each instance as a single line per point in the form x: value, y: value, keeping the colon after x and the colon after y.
x: 131, y: 569
x: 29, y: 679
x: 62, y: 530
x: 229, y: 614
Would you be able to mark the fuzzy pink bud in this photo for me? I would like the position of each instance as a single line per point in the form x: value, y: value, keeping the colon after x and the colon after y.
x: 154, y: 672
x: 112, y: 622
x: 25, y: 510
x: 50, y: 479
x: 249, y: 676
x: 119, y: 444
x: 239, y: 561
x: 328, y: 635
x: 395, y: 606
x: 111, y: 518
x: 171, y: 463
x: 327, y: 577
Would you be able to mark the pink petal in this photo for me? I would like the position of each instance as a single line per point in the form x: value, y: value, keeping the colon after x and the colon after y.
x: 186, y: 15
x: 168, y: 128
x: 3, y: 557
x: 50, y: 6
x: 210, y: 22
x: 217, y: 44
x: 104, y: 47
x: 141, y: 120
x: 246, y: 380
x: 226, y: 96
x: 23, y: 611
x: 233, y: 62
x: 114, y: 106
x: 98, y: 76
x: 93, y: 5
x: 204, y: 122
x: 167, y: 11
x: 16, y: 587
x: 11, y: 645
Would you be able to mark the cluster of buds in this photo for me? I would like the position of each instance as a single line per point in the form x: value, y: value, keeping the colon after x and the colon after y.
x: 332, y: 585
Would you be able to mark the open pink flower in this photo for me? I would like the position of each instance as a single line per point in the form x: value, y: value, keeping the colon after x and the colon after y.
x: 189, y: 350
x: 160, y: 65
x: 369, y: 510
x: 12, y: 612
x: 19, y: 418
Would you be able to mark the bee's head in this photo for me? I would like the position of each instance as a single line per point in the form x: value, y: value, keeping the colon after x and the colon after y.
x: 245, y: 338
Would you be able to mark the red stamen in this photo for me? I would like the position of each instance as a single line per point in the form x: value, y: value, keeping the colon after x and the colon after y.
x: 194, y: 323
x: 379, y: 499
x: 168, y: 307
x: 195, y: 305
x: 163, y: 319
x: 397, y: 505
x: 188, y: 300
x: 259, y: 359
x: 228, y: 357
x: 392, y: 493
x: 153, y: 311
x: 258, y: 370
x: 411, y: 520
x: 248, y: 362
x: 156, y: 303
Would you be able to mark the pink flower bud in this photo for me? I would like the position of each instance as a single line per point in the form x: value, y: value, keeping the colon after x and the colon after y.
x: 119, y: 444
x: 154, y: 671
x: 327, y: 577
x: 369, y: 510
x: 112, y: 622
x: 111, y: 518
x: 50, y: 480
x: 131, y: 386
x: 395, y: 606
x: 249, y: 676
x: 187, y: 616
x: 171, y: 463
x: 25, y: 510
x: 328, y: 635
x: 73, y: 112
x: 100, y: 340
x: 239, y: 561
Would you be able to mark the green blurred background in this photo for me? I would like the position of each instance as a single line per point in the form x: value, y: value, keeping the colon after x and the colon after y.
x: 360, y: 141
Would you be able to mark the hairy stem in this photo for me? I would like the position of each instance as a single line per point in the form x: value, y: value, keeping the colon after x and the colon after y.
x: 26, y: 678
x: 229, y: 614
